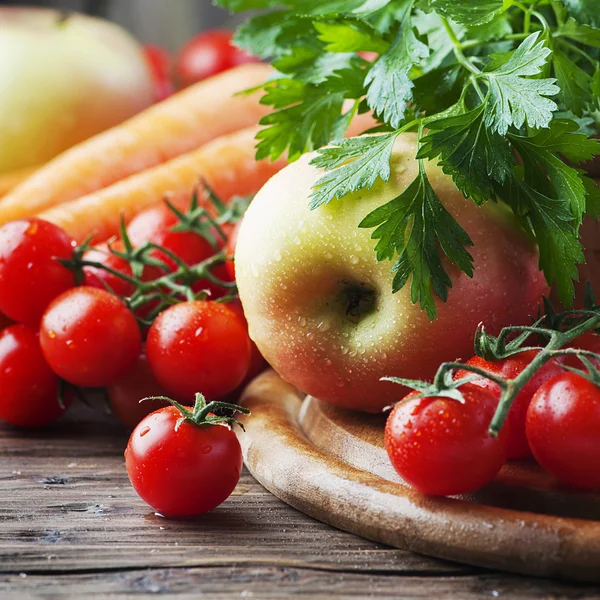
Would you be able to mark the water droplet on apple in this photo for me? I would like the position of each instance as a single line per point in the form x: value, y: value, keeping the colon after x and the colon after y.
x: 328, y: 255
x: 340, y: 384
x: 297, y: 241
x: 344, y: 350
x: 302, y: 321
x: 327, y: 362
x: 354, y: 259
x: 352, y: 353
x: 277, y: 255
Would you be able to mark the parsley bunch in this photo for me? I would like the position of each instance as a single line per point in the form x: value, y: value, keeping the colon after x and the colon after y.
x: 503, y: 93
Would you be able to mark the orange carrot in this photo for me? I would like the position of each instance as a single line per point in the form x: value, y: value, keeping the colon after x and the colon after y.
x: 168, y: 129
x: 226, y: 164
x: 11, y: 179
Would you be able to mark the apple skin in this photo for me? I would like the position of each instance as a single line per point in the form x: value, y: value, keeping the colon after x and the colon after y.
x: 294, y: 267
x: 62, y: 82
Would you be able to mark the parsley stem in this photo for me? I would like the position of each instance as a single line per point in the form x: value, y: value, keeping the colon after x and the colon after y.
x: 579, y: 51
x: 462, y: 59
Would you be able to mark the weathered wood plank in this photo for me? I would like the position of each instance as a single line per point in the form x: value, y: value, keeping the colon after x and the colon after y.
x: 265, y: 582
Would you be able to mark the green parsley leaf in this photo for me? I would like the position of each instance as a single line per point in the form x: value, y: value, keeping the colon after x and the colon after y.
x: 575, y: 84
x: 352, y: 164
x: 472, y: 154
x: 585, y: 11
x: 557, y: 239
x: 312, y: 120
x: 389, y: 85
x: 584, y: 34
x: 470, y: 12
x: 412, y: 225
x: 514, y: 97
x: 349, y: 36
x: 541, y: 155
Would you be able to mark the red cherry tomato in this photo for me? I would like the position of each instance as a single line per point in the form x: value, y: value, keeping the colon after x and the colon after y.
x: 29, y: 388
x: 563, y: 425
x: 155, y: 225
x: 441, y: 446
x: 588, y: 341
x: 509, y: 368
x: 89, y: 337
x: 186, y: 471
x: 100, y: 278
x: 198, y: 346
x: 159, y: 61
x: 208, y: 54
x: 30, y: 275
x: 5, y: 322
x: 124, y: 396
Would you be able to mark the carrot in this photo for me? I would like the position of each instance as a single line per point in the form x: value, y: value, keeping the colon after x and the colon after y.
x: 168, y: 129
x: 11, y: 179
x: 226, y: 164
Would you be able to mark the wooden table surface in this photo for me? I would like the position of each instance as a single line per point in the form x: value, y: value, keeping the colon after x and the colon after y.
x: 71, y: 526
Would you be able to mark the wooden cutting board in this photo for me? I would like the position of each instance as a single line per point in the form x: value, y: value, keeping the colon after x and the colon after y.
x: 331, y: 465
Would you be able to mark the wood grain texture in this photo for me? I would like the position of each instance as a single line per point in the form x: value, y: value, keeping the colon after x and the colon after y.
x: 72, y: 527
x: 339, y: 476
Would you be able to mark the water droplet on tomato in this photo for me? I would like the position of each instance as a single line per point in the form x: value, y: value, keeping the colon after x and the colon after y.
x: 51, y: 334
x: 205, y: 449
x: 199, y: 331
x: 144, y: 431
x: 70, y: 344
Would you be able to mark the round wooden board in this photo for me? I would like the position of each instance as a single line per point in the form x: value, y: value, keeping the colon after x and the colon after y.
x: 331, y: 465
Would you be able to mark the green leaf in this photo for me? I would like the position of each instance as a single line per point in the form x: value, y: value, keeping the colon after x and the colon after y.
x: 310, y: 66
x: 241, y: 5
x: 584, y: 34
x: 514, y: 97
x: 349, y: 36
x: 592, y: 207
x: 575, y: 84
x: 390, y: 88
x: 558, y: 241
x: 414, y: 225
x: 471, y: 12
x: 541, y: 154
x: 469, y: 152
x: 352, y: 164
x: 312, y: 120
x: 585, y: 11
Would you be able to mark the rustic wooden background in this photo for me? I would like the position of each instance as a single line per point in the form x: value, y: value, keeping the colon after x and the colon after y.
x: 71, y: 526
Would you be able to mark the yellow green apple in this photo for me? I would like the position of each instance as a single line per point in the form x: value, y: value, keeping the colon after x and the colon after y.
x: 320, y: 306
x: 63, y: 78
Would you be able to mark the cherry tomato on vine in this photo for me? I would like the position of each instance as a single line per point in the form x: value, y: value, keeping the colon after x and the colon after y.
x: 28, y: 386
x: 563, y: 425
x: 155, y: 225
x: 208, y: 54
x: 182, y: 471
x: 124, y: 396
x: 30, y: 275
x: 441, y: 446
x: 588, y: 341
x: 89, y: 337
x: 509, y: 368
x: 200, y: 345
x: 159, y: 62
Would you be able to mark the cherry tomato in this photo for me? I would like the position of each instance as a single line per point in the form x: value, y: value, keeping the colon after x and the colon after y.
x: 198, y: 346
x: 186, y: 471
x: 509, y: 368
x: 588, y: 341
x: 441, y: 446
x: 124, y: 396
x: 100, y: 278
x: 159, y: 61
x: 29, y: 388
x: 5, y: 322
x: 30, y: 275
x: 89, y: 337
x: 208, y: 54
x: 563, y: 425
x: 155, y: 225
